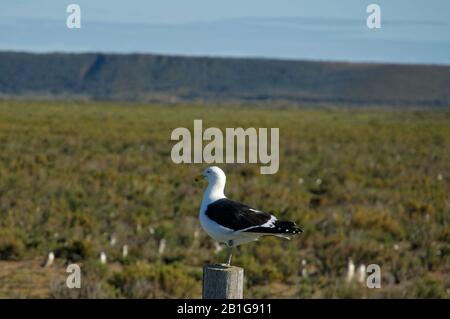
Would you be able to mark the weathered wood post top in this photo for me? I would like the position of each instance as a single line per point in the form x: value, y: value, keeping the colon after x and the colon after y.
x: 222, y: 282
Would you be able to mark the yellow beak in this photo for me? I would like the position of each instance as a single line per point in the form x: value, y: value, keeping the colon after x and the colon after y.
x: 199, y: 178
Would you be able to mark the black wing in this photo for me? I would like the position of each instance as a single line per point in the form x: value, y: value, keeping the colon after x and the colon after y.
x: 235, y: 215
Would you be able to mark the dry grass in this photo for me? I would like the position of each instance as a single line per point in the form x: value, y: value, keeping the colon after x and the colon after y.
x: 74, y: 174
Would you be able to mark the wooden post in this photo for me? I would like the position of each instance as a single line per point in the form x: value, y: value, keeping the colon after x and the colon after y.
x: 222, y: 282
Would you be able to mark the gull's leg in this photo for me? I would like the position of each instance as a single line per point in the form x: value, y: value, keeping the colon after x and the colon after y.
x: 230, y: 253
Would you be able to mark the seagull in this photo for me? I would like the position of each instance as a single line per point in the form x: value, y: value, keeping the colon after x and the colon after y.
x: 112, y: 240
x: 162, y: 246
x: 350, y: 270
x: 362, y: 273
x: 233, y: 223
x: 102, y: 257
x: 304, y: 268
x: 49, y: 260
x: 125, y: 251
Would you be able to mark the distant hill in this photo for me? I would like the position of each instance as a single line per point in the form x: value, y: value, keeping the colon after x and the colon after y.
x: 142, y: 77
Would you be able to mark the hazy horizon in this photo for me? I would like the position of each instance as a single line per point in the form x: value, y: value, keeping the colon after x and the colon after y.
x: 412, y: 32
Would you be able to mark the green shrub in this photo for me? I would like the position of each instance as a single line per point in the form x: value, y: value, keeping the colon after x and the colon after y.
x: 11, y: 245
x: 76, y: 250
x: 142, y: 280
x: 428, y: 287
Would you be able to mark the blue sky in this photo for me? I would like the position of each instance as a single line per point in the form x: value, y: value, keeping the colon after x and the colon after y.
x: 413, y: 31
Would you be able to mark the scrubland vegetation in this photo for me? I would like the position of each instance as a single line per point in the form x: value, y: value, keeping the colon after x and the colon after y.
x: 155, y: 78
x: 367, y: 184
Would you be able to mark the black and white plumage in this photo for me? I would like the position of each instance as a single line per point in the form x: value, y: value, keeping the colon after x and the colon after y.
x: 240, y: 217
x: 234, y: 223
